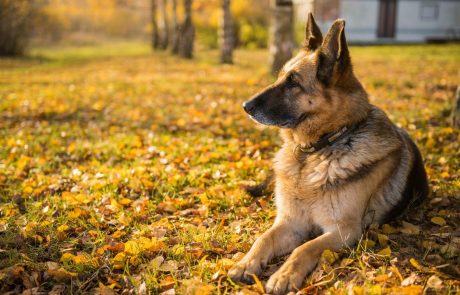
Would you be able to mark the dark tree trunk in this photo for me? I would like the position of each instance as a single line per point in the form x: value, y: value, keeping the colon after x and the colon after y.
x: 155, y: 40
x: 163, y: 29
x: 281, y: 34
x: 226, y: 35
x: 456, y: 110
x: 174, y: 29
x: 187, y: 32
x: 16, y: 25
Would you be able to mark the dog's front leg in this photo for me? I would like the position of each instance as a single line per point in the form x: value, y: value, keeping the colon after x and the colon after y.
x: 304, y: 258
x: 278, y: 240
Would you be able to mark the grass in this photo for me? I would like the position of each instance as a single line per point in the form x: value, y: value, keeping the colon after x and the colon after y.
x: 122, y: 170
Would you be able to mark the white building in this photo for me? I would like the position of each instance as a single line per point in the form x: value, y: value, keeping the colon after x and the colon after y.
x: 388, y: 21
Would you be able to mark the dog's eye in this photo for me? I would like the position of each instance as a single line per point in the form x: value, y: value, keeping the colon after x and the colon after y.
x: 291, y: 82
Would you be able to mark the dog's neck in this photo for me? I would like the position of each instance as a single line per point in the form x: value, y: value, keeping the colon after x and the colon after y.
x: 314, y: 128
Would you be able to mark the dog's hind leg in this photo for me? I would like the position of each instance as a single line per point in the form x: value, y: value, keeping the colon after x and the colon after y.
x: 278, y: 240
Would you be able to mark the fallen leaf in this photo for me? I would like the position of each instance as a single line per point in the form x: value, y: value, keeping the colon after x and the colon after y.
x: 385, y: 252
x: 409, y: 228
x: 169, y: 266
x: 61, y: 275
x: 438, y: 220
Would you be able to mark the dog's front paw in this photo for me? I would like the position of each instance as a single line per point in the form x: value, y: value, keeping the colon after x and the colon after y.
x: 286, y: 279
x: 244, y: 270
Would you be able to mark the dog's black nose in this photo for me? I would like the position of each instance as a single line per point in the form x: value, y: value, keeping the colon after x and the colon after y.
x: 248, y: 106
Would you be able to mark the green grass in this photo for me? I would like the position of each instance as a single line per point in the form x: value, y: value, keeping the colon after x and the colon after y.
x: 113, y: 156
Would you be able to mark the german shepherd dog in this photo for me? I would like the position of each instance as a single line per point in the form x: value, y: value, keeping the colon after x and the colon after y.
x: 343, y: 164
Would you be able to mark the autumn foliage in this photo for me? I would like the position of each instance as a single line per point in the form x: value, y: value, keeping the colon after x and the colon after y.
x: 123, y: 170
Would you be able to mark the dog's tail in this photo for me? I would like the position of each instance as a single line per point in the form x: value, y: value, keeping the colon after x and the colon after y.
x: 266, y: 187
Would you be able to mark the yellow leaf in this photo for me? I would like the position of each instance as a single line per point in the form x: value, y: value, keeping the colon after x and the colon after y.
x: 62, y: 228
x: 381, y: 278
x: 438, y: 220
x: 125, y: 201
x: 388, y: 229
x: 383, y: 240
x: 132, y: 248
x: 118, y: 234
x: 415, y: 264
x: 357, y: 290
x: 118, y: 260
x: 151, y: 245
x: 329, y: 256
x: 225, y: 263
x: 80, y: 259
x: 120, y: 257
x: 367, y: 244
x: 67, y: 257
x: 408, y: 290
x: 75, y: 213
x: 385, y: 252
x: 134, y: 260
x: 259, y: 285
x: 61, y: 274
x: 395, y: 270
x: 409, y: 228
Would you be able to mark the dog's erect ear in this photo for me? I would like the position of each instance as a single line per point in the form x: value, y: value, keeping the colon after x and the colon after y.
x: 334, y: 52
x: 313, y: 36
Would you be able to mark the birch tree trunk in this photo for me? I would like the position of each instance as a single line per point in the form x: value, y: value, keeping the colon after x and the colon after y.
x: 187, y: 32
x: 163, y: 30
x: 226, y: 35
x: 153, y: 9
x: 281, y: 34
x: 456, y: 109
x: 174, y: 29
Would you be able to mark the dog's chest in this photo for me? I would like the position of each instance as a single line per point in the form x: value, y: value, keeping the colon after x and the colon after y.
x: 302, y: 187
x: 312, y: 173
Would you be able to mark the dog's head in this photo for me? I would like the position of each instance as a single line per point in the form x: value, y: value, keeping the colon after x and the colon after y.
x: 313, y: 87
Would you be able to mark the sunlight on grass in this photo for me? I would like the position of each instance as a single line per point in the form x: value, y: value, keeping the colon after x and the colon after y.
x: 121, y: 168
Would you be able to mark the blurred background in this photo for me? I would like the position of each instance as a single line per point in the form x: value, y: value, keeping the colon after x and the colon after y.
x: 124, y: 149
x: 245, y: 23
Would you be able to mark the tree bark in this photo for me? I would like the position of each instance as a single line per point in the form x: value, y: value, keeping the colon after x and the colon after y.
x: 174, y: 29
x: 226, y: 34
x: 281, y: 34
x: 155, y: 40
x: 187, y: 32
x: 456, y: 110
x: 163, y: 30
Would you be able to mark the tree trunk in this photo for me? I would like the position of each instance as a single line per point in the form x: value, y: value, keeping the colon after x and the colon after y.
x: 155, y: 40
x: 174, y: 29
x: 226, y: 35
x: 281, y: 34
x: 187, y: 32
x: 456, y: 110
x: 163, y: 30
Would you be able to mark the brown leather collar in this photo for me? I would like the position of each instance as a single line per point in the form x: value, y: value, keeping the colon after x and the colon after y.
x: 301, y: 152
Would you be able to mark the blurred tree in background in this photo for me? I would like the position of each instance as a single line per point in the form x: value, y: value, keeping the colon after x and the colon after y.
x: 281, y: 33
x: 163, y: 26
x: 186, y: 32
x: 153, y: 7
x: 226, y: 34
x: 174, y: 29
x: 84, y: 22
x: 16, y: 19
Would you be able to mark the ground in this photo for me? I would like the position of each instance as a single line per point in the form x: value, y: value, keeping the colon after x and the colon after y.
x: 123, y: 170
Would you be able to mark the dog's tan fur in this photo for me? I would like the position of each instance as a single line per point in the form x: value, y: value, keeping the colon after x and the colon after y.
x: 326, y: 200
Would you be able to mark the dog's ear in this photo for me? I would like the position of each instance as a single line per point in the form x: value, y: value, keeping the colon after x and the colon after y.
x: 334, y: 53
x: 313, y: 36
